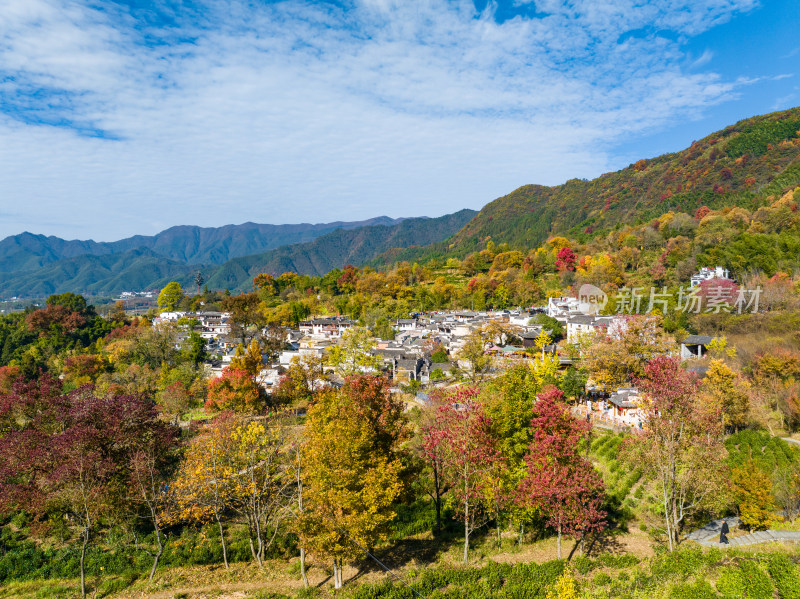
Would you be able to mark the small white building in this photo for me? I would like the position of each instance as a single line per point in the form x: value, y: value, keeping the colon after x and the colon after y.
x: 406, y: 324
x: 326, y: 328
x: 561, y: 308
x: 695, y: 346
x: 581, y: 324
x: 169, y: 317
x: 707, y: 273
x: 625, y: 407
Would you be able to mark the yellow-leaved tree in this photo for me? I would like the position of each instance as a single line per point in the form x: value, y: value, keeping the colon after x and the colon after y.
x: 752, y: 489
x: 728, y: 393
x: 620, y: 357
x: 545, y: 370
x: 260, y: 478
x: 249, y: 360
x: 542, y: 341
x: 352, y: 354
x: 203, y: 488
x: 351, y: 471
x: 565, y: 587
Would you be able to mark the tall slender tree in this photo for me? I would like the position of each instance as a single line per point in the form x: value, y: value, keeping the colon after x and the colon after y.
x: 681, y: 444
x: 258, y: 465
x: 460, y: 437
x: 203, y: 488
x: 352, y: 470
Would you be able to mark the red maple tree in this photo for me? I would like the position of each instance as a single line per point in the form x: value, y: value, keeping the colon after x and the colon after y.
x: 460, y: 443
x: 560, y: 482
x: 565, y: 260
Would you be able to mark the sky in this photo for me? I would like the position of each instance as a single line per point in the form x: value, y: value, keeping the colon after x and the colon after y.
x: 130, y: 116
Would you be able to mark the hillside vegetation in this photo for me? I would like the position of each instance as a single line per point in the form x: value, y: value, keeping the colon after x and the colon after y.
x: 189, y: 244
x: 338, y: 249
x: 731, y: 167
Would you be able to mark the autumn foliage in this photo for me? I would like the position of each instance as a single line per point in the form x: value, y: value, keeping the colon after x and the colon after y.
x: 234, y: 390
x: 559, y: 482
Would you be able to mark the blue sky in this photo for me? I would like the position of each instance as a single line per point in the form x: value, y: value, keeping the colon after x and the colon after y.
x: 127, y: 117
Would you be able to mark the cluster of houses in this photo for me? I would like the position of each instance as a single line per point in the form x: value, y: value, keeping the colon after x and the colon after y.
x: 410, y: 356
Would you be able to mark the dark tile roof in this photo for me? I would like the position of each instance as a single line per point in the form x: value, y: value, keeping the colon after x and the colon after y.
x: 697, y: 340
x: 622, y: 398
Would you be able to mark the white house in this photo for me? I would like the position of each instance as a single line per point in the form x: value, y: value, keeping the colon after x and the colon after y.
x: 561, y: 308
x: 624, y: 407
x: 581, y: 324
x: 694, y: 346
x: 706, y: 274
x: 406, y: 324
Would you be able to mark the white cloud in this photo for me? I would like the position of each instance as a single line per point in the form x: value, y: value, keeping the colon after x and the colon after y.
x: 307, y: 112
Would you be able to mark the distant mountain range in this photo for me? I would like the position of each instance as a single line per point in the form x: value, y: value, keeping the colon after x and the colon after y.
x: 187, y: 244
x: 741, y: 165
x: 229, y: 256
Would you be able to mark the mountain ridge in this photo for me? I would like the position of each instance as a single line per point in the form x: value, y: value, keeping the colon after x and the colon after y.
x: 736, y: 166
x: 730, y: 167
x: 143, y: 268
x: 186, y: 243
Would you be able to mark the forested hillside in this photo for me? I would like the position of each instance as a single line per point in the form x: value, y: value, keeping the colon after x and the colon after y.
x: 190, y: 244
x: 144, y: 268
x: 337, y: 249
x: 731, y: 167
x: 134, y: 269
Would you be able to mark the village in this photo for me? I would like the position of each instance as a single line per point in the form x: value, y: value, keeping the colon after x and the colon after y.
x: 429, y: 350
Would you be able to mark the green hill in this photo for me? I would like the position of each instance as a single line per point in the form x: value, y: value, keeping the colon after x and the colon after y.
x: 337, y: 249
x: 727, y: 168
x: 135, y: 269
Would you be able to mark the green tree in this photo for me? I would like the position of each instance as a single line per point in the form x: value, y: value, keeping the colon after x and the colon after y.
x: 199, y: 279
x: 246, y: 316
x: 194, y: 348
x: 473, y: 351
x: 352, y: 354
x: 549, y: 324
x: 170, y: 297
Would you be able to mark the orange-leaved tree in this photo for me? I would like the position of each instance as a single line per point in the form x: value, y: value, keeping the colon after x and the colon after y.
x: 234, y: 390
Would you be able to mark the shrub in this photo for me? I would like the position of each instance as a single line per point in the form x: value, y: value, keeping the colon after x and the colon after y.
x: 785, y: 575
x: 601, y: 579
x: 747, y: 581
x: 681, y: 564
x: 700, y: 589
